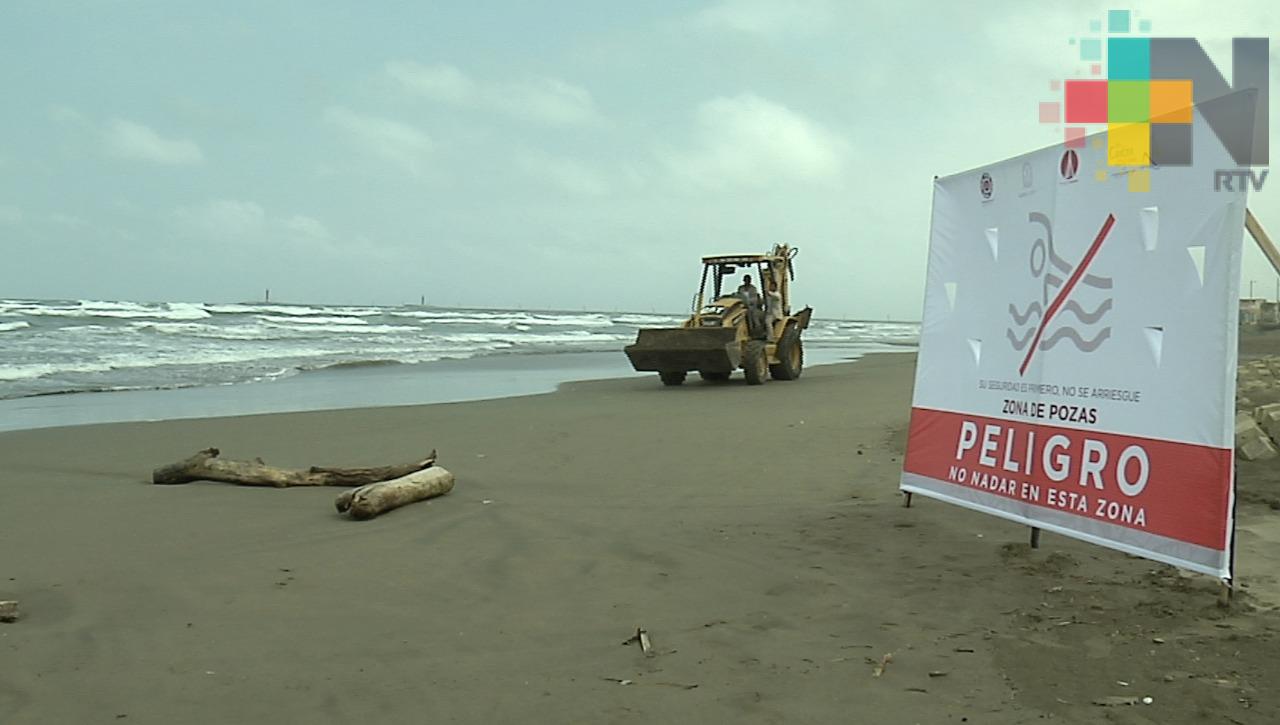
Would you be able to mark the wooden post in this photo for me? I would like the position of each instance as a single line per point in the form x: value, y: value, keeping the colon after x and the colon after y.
x: 1227, y: 587
x: 1035, y: 537
x: 1263, y: 240
x: 907, y: 500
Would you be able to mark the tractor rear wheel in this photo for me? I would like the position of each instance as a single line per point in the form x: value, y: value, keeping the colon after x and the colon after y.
x: 755, y: 365
x: 790, y: 356
x: 672, y: 377
x: 714, y: 377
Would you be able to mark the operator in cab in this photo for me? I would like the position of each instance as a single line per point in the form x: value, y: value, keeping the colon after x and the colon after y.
x: 748, y: 292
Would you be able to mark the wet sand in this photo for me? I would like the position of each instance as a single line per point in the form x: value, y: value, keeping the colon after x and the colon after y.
x: 755, y: 533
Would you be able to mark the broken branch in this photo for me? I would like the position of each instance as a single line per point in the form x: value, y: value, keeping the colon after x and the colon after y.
x: 206, y: 466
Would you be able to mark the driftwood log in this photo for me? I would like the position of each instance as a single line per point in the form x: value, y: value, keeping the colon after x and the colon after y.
x: 206, y: 466
x: 375, y: 498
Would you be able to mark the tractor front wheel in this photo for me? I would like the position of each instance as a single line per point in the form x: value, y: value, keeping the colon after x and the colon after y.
x: 790, y: 356
x: 672, y: 377
x: 755, y: 365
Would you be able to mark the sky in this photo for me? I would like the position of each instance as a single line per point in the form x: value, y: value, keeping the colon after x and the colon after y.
x: 555, y: 155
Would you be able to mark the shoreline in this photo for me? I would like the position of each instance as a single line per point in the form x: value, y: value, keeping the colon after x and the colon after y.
x: 353, y: 386
x: 758, y: 536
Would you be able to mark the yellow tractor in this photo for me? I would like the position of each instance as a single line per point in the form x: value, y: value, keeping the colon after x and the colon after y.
x: 746, y: 327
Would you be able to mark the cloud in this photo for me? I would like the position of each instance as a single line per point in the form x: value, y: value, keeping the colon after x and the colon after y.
x: 751, y: 141
x: 305, y: 227
x: 10, y: 214
x: 223, y: 219
x: 443, y: 83
x: 389, y: 139
x: 568, y: 174
x: 66, y: 115
x: 239, y: 221
x: 130, y: 140
x: 768, y: 17
x: 549, y: 101
x: 67, y: 220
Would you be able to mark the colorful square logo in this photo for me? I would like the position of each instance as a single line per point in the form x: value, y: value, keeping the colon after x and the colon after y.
x: 1143, y: 91
x: 1147, y: 117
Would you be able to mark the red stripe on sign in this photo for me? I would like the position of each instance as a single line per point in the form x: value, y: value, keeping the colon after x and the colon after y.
x: 1180, y: 491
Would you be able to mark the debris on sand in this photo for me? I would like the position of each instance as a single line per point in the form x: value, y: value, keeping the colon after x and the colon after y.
x: 641, y: 637
x: 1116, y: 701
x: 882, y: 664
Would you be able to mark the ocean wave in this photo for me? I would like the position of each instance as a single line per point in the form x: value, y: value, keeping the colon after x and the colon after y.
x: 342, y: 364
x: 569, y: 337
x: 830, y: 334
x: 155, y: 359
x: 90, y: 388
x: 317, y: 320
x: 91, y: 328
x: 117, y: 310
x: 363, y: 328
x: 70, y: 345
x: 648, y: 320
x: 506, y: 319
x: 198, y: 330
x: 34, y: 371
x: 292, y: 310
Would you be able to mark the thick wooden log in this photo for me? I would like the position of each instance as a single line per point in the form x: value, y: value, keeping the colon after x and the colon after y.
x: 375, y: 498
x: 206, y: 466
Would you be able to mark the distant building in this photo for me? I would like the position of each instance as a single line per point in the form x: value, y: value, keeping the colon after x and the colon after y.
x: 1258, y: 313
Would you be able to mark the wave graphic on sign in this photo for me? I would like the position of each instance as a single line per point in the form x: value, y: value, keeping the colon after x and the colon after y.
x: 1021, y: 318
x: 1053, y: 271
x: 1019, y: 342
x: 1068, y: 333
x: 1072, y: 306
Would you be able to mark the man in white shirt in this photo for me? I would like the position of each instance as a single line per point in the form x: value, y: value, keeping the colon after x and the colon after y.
x: 748, y: 292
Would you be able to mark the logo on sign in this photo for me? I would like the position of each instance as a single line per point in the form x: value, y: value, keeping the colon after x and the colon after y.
x: 1069, y: 166
x: 1147, y: 94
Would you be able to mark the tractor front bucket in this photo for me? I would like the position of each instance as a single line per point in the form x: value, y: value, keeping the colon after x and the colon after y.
x: 681, y: 349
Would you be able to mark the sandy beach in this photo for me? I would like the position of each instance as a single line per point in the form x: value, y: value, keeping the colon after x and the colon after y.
x: 756, y: 534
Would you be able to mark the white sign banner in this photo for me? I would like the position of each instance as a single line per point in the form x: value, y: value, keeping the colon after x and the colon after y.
x: 1078, y: 350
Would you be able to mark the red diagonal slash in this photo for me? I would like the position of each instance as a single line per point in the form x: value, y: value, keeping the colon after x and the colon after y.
x: 1066, y: 288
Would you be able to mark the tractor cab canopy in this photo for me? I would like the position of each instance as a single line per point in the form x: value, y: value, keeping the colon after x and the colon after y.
x: 738, y: 259
x: 724, y: 272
